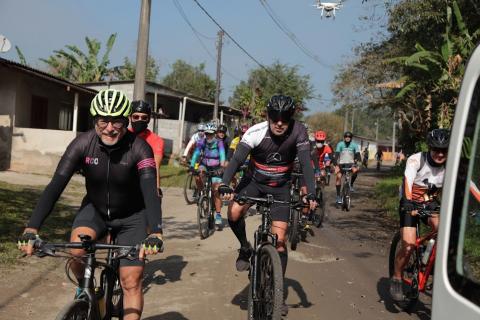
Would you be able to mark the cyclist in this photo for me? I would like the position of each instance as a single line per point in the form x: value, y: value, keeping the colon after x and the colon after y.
x: 196, y: 137
x: 324, y: 152
x: 365, y: 157
x: 213, y: 158
x: 139, y: 119
x: 347, y: 153
x: 422, y: 169
x: 222, y: 135
x: 120, y: 176
x: 272, y: 145
x: 379, y: 157
x: 236, y: 140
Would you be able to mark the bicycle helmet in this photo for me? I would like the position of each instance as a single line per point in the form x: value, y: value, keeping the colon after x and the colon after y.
x: 142, y: 107
x: 348, y: 134
x: 110, y: 103
x: 222, y: 128
x: 280, y: 107
x: 201, y: 127
x: 210, y: 128
x: 438, y: 138
x: 320, y: 135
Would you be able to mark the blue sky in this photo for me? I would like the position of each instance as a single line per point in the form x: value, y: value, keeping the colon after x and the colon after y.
x: 39, y: 27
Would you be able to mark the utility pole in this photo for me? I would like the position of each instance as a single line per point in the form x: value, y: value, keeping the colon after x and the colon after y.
x: 393, y: 136
x: 345, y: 122
x: 376, y: 132
x: 142, y: 52
x: 219, y: 74
x: 353, y: 117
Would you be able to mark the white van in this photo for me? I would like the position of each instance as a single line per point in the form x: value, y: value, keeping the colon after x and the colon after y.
x: 456, y: 292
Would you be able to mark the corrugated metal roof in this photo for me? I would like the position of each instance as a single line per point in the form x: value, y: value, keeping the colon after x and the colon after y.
x: 44, y: 75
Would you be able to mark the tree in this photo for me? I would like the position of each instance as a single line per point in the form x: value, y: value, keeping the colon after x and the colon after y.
x: 75, y: 65
x: 21, y: 57
x: 191, y: 79
x: 278, y: 78
x: 329, y: 122
x: 127, y: 71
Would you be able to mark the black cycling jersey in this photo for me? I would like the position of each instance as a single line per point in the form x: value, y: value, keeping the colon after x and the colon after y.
x: 120, y: 180
x: 272, y: 157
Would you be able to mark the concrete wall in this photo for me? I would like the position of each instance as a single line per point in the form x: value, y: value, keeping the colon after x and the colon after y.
x: 169, y: 130
x: 38, y: 150
x: 7, y: 111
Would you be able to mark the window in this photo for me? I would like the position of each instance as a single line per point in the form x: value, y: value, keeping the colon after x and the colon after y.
x: 65, y: 117
x: 464, y: 245
x: 39, y: 112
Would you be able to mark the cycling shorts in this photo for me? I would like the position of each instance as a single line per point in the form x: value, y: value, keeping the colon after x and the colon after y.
x: 407, y: 220
x: 128, y: 231
x: 215, y: 179
x: 251, y: 188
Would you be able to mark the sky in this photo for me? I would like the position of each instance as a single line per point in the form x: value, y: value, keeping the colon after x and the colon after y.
x: 39, y: 27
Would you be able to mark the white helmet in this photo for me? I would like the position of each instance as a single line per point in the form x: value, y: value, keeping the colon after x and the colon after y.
x: 201, y: 127
x: 210, y: 127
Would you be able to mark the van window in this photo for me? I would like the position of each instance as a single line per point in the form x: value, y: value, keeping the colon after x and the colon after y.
x: 464, y: 245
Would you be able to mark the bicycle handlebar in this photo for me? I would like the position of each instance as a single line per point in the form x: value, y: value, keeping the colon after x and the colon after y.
x: 268, y: 201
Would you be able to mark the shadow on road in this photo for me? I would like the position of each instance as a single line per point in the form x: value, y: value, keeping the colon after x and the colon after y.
x: 167, y: 316
x: 171, y: 267
x: 420, y: 310
x: 241, y: 298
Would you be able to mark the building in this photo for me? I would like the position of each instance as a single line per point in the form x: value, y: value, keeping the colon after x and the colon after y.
x: 373, y: 145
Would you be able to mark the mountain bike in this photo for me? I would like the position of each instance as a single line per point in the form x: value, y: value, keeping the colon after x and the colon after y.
x: 190, y: 190
x: 265, y: 296
x: 420, y: 265
x: 97, y: 300
x: 328, y: 170
x: 294, y: 226
x: 319, y: 214
x: 346, y: 170
x: 206, y: 205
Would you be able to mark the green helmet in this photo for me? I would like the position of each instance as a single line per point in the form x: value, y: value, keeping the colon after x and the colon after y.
x: 110, y: 103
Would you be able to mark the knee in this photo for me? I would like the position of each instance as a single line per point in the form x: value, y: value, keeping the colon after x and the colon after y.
x: 131, y: 283
x: 281, y: 245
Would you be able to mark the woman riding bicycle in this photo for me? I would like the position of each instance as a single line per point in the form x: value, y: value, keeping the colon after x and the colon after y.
x: 422, y: 169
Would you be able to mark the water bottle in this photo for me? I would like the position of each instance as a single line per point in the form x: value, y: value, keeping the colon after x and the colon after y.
x: 101, y: 301
x: 428, y: 251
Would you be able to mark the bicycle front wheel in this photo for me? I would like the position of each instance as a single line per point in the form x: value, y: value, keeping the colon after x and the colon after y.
x: 113, y: 294
x: 293, y: 234
x: 320, y: 211
x: 190, y: 189
x: 409, y: 274
x: 346, y: 201
x: 76, y: 310
x: 269, y: 300
x: 203, y: 217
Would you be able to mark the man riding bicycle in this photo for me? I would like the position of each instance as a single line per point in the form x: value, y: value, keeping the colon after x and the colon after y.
x: 422, y: 169
x: 347, y: 154
x: 120, y: 180
x: 196, y: 138
x: 273, y: 145
x: 211, y: 154
x: 323, y: 151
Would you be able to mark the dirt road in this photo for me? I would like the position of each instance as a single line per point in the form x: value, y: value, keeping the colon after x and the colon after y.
x: 340, y: 273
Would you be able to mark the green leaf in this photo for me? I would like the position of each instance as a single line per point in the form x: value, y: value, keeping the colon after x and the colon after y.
x: 405, y: 90
x: 21, y: 57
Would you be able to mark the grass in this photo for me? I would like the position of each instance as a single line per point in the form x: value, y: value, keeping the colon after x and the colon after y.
x: 16, y: 206
x: 387, y: 194
x: 172, y: 176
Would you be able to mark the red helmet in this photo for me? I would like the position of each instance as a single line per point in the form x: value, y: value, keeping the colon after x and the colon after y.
x: 243, y: 128
x: 320, y: 135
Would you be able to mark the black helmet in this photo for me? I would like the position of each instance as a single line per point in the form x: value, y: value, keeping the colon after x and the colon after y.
x: 222, y: 128
x: 281, y: 103
x: 438, y: 138
x: 348, y: 134
x: 142, y: 107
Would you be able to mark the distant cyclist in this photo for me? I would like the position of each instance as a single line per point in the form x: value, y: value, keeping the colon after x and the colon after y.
x: 347, y: 154
x: 210, y: 152
x: 222, y: 135
x: 379, y: 157
x: 121, y: 193
x: 324, y: 152
x: 422, y: 169
x: 365, y: 157
x: 196, y: 137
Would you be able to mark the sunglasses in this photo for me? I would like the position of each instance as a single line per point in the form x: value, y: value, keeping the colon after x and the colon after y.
x: 440, y: 150
x: 117, y: 123
x: 137, y: 117
x: 277, y: 116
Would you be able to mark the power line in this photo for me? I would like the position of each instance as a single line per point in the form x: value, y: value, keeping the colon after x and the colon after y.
x: 291, y: 35
x: 198, y: 34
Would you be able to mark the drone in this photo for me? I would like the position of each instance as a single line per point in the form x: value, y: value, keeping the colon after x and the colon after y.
x: 328, y: 8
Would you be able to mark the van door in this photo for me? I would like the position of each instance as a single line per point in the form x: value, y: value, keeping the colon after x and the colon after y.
x: 456, y: 292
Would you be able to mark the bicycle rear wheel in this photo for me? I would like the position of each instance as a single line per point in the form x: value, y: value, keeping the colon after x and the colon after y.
x: 203, y: 216
x: 293, y: 233
x: 269, y: 300
x: 409, y: 274
x: 75, y: 310
x: 190, y: 189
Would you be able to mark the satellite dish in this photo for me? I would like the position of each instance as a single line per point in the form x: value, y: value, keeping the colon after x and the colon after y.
x: 5, y: 44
